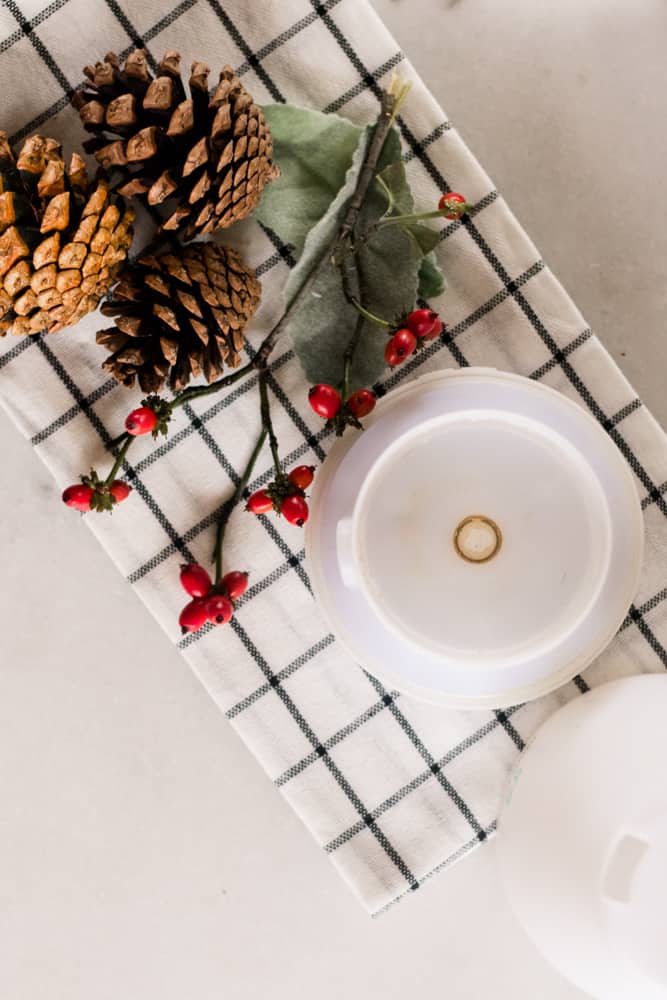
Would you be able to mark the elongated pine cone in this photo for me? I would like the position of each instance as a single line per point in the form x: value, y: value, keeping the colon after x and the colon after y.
x: 206, y: 157
x: 178, y: 316
x: 62, y: 238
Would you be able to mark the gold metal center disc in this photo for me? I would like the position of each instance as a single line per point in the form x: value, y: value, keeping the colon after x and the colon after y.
x: 477, y: 538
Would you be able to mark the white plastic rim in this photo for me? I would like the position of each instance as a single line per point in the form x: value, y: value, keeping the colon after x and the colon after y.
x: 595, y: 497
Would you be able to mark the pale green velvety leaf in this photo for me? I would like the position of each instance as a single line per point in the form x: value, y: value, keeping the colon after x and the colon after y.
x: 314, y: 152
x: 324, y: 318
x: 389, y: 265
x: 426, y: 239
x: 431, y: 278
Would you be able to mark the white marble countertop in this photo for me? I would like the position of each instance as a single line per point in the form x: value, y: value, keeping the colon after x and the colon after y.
x: 143, y: 852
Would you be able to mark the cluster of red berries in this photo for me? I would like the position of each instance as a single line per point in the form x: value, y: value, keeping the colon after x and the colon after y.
x: 209, y: 603
x: 420, y: 326
x: 84, y: 497
x: 327, y: 402
x: 286, y: 495
x: 93, y: 493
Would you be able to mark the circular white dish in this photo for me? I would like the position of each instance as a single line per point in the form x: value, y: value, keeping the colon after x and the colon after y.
x: 480, y: 543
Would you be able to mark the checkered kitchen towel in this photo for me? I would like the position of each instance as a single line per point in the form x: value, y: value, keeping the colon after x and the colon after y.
x: 393, y: 789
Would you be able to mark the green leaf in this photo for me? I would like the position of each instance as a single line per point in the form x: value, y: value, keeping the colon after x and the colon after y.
x: 431, y: 278
x: 426, y: 239
x: 388, y: 265
x: 314, y: 152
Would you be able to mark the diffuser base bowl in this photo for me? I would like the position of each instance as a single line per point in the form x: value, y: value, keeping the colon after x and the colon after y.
x: 479, y: 543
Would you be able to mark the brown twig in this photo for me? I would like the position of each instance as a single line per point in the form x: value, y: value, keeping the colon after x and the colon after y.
x: 369, y: 166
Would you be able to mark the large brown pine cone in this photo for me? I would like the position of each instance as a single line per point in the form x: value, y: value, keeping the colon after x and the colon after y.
x: 207, y: 157
x: 62, y: 238
x: 178, y: 316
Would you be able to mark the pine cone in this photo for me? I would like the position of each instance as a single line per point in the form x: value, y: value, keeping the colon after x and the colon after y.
x: 179, y: 316
x: 62, y: 239
x: 207, y: 157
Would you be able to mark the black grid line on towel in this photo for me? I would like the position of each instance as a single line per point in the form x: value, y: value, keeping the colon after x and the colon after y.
x: 130, y: 30
x: 286, y: 36
x: 34, y: 22
x: 27, y: 28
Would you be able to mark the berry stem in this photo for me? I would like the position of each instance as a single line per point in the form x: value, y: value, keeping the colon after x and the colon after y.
x: 368, y: 314
x: 228, y: 507
x: 120, y: 457
x: 437, y: 213
x: 206, y: 390
x: 267, y: 423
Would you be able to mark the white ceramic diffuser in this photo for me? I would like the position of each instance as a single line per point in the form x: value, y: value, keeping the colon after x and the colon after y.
x: 480, y: 543
x: 582, y: 840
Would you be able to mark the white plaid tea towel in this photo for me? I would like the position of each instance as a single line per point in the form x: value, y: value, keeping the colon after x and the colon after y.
x: 393, y: 789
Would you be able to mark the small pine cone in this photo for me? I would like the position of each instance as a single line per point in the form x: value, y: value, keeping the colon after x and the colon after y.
x: 63, y: 239
x: 206, y: 157
x: 178, y: 316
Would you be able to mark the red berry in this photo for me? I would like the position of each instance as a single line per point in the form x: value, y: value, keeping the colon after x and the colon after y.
x: 391, y: 356
x: 195, y: 580
x: 235, y: 584
x: 193, y: 616
x: 361, y: 403
x: 302, y: 476
x: 143, y: 420
x: 435, y: 330
x: 456, y: 204
x: 259, y: 502
x: 421, y: 322
x: 295, y: 510
x: 219, y: 609
x: 325, y: 400
x: 119, y: 490
x: 400, y: 346
x: 78, y: 496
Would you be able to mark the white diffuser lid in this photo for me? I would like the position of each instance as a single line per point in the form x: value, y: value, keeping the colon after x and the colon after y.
x: 479, y: 543
x: 582, y: 840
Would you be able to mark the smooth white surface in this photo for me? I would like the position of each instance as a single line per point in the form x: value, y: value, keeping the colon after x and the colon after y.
x: 584, y: 861
x: 143, y: 853
x: 380, y: 552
